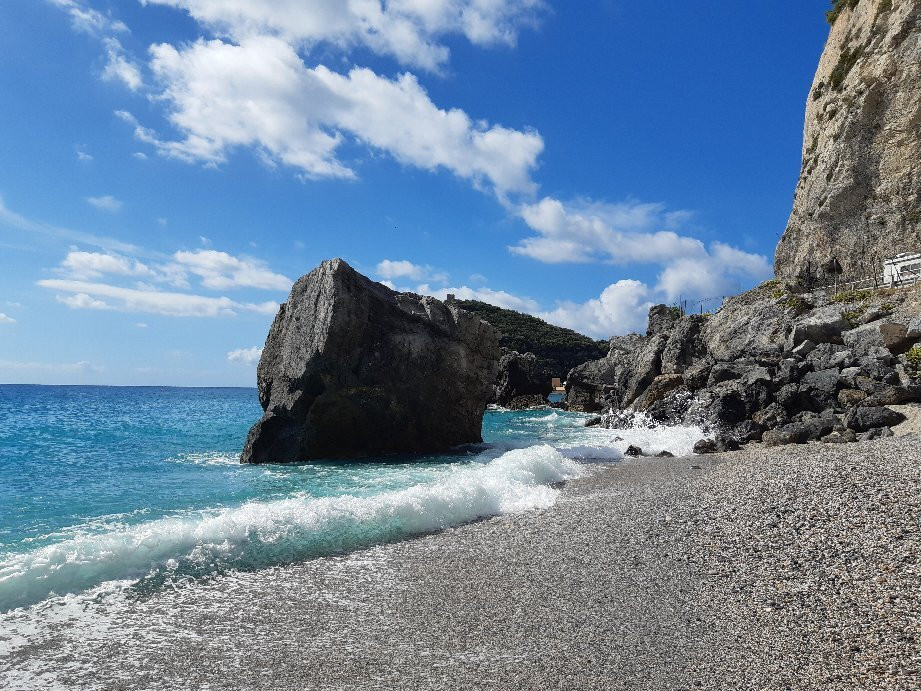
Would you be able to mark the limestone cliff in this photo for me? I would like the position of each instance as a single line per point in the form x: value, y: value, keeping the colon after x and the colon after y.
x: 859, y: 194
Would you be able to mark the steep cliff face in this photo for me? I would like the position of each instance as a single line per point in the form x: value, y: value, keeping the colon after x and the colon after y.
x: 859, y: 194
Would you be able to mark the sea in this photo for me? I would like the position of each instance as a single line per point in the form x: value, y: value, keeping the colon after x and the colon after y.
x: 127, y: 491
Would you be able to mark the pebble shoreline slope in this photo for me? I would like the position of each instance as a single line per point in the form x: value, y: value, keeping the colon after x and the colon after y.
x: 788, y: 568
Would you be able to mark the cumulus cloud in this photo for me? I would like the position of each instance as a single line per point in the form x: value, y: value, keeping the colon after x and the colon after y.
x: 247, y: 356
x: 87, y: 295
x: 82, y: 301
x: 407, y: 30
x: 105, y: 203
x: 4, y: 319
x: 260, y: 94
x: 119, y: 68
x: 220, y: 271
x: 405, y: 270
x: 78, y: 264
x: 621, y: 308
x: 638, y: 233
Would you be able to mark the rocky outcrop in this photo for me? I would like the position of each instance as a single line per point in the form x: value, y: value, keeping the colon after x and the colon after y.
x: 520, y: 376
x: 746, y: 373
x: 353, y: 369
x: 858, y: 199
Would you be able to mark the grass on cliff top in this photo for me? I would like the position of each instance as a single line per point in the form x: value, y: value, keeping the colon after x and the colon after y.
x: 557, y: 349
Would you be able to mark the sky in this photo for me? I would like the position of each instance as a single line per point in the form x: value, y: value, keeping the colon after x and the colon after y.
x: 169, y: 167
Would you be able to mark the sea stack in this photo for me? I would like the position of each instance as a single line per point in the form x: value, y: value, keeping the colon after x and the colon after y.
x: 353, y: 369
x: 858, y: 200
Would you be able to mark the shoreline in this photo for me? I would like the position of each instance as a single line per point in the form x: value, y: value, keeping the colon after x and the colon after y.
x: 763, y: 568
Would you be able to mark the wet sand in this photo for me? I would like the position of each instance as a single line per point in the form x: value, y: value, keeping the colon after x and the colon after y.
x: 790, y: 568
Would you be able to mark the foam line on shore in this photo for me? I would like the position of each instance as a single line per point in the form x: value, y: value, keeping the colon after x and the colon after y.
x: 259, y: 534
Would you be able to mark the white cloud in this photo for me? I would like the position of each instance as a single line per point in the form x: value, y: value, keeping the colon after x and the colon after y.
x: 634, y: 232
x: 220, y: 271
x: 82, y: 265
x: 105, y: 203
x: 119, y: 68
x: 152, y: 301
x: 140, y: 325
x: 4, y: 319
x: 260, y: 94
x: 247, y: 356
x: 82, y: 301
x: 621, y: 308
x: 140, y: 155
x: 404, y: 269
x: 89, y: 20
x: 407, y: 30
x: 83, y: 155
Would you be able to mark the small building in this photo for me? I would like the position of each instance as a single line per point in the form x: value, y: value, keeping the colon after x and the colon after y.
x: 557, y: 385
x: 902, y: 269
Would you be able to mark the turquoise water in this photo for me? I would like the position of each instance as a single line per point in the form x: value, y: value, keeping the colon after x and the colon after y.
x: 141, y: 485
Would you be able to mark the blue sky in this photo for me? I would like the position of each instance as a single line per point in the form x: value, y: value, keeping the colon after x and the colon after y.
x: 169, y: 167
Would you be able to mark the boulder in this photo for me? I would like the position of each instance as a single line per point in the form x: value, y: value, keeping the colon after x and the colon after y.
x: 819, y: 390
x: 661, y: 386
x: 353, y: 369
x: 823, y: 325
x: 875, y: 433
x: 800, y: 432
x: 753, y: 322
x: 848, y: 398
x: 893, y: 395
x: 519, y: 376
x: 892, y: 336
x: 844, y: 437
x: 862, y: 419
x: 772, y: 416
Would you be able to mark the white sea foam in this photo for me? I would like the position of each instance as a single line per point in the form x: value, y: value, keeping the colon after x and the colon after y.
x: 270, y: 532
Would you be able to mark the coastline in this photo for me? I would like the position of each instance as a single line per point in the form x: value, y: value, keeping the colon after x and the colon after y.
x: 793, y: 567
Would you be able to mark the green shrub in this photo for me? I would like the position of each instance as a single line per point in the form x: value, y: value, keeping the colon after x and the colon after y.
x: 845, y: 64
x: 852, y: 316
x: 837, y: 7
x: 853, y: 296
x: 913, y: 357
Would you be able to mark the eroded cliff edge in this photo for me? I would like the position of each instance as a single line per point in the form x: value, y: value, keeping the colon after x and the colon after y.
x: 859, y: 194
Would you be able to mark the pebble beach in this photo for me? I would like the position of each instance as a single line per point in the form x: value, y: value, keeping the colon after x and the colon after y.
x: 789, y: 568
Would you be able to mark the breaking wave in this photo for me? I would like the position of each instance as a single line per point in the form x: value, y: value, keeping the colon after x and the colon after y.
x: 264, y: 533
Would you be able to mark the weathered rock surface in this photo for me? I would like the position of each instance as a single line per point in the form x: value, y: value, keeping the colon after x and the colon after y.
x: 520, y: 376
x: 859, y: 194
x: 352, y: 369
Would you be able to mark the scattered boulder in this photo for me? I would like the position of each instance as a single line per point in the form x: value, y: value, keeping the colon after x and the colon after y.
x: 593, y: 422
x: 665, y: 454
x: 843, y: 437
x: 352, y: 369
x: 819, y: 390
x: 893, y: 395
x: 771, y: 417
x: 848, y: 398
x: 863, y: 419
x: 875, y: 433
x: 633, y: 451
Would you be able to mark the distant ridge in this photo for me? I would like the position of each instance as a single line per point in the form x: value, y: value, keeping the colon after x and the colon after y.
x: 558, y: 350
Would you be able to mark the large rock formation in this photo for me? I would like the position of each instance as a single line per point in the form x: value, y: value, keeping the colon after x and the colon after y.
x: 353, y: 369
x: 859, y: 194
x: 520, y: 376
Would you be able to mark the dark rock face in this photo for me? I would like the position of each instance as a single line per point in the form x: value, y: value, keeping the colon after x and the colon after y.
x: 352, y: 369
x: 863, y: 419
x: 519, y: 376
